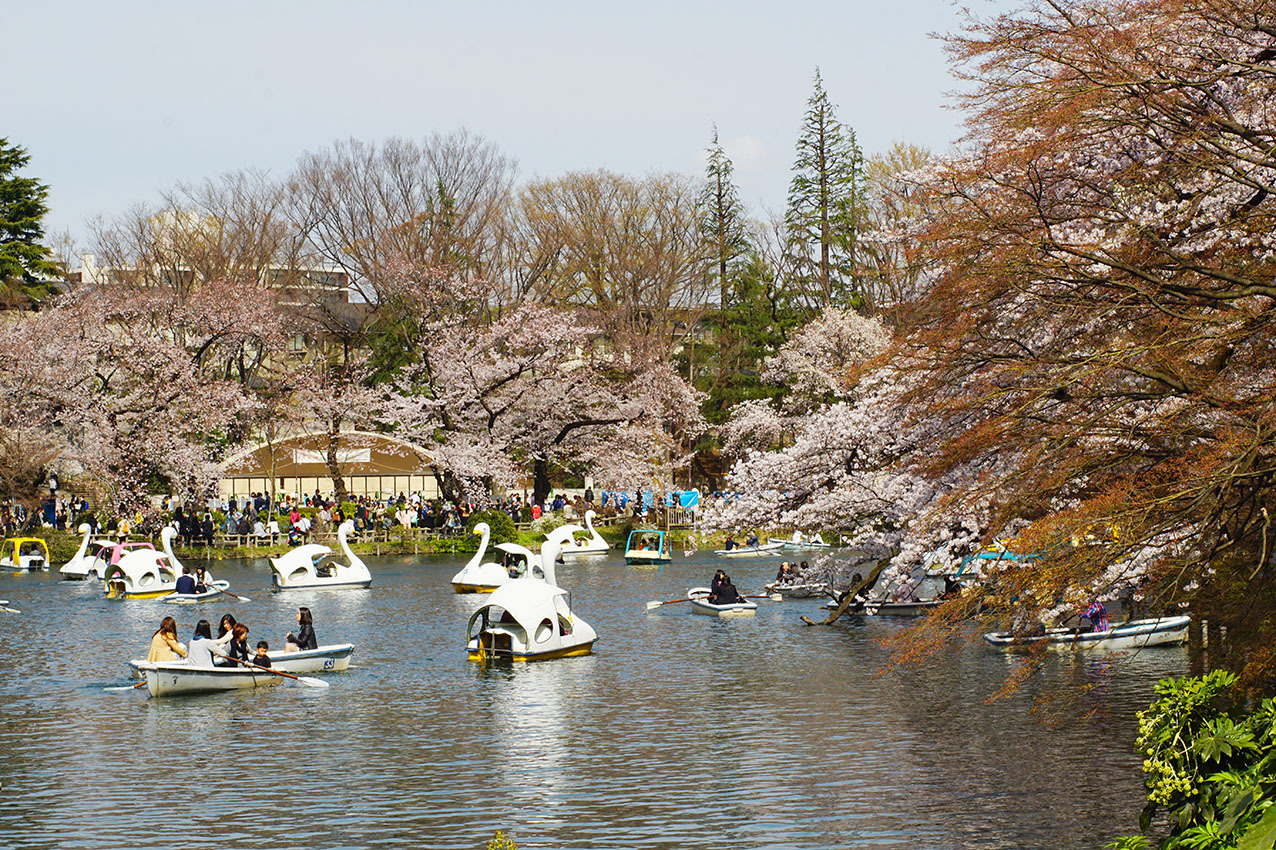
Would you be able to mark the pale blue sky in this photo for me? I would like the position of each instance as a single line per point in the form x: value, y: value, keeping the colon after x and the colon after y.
x: 121, y: 100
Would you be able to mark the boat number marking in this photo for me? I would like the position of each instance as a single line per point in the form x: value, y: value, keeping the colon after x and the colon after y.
x: 329, y: 663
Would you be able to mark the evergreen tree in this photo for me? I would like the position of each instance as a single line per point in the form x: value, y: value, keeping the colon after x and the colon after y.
x: 22, y: 209
x: 826, y: 206
x: 722, y: 227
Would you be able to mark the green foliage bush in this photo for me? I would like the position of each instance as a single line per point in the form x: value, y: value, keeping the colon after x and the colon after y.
x: 1208, y: 765
x: 500, y: 841
x: 503, y: 530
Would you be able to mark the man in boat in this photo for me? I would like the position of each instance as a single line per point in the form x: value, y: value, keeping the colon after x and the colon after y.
x: 1098, y: 617
x: 186, y: 582
x: 752, y: 540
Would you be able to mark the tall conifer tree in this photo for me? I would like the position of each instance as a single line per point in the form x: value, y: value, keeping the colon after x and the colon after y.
x: 722, y: 227
x: 826, y: 206
x: 22, y: 210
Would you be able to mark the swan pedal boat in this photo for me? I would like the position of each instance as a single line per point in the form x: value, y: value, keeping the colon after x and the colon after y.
x: 146, y: 574
x: 478, y: 577
x: 19, y: 554
x: 1134, y: 634
x: 85, y: 561
x: 298, y: 569
x: 750, y: 551
x: 535, y: 623
x: 333, y: 658
x: 700, y: 604
x: 595, y: 545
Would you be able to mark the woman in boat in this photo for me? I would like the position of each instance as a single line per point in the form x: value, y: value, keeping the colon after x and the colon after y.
x: 203, y: 646
x: 785, y: 575
x: 730, y: 544
x: 718, y: 578
x: 305, y: 637
x: 227, y: 624
x: 164, y: 643
x: 725, y: 593
x: 236, y: 647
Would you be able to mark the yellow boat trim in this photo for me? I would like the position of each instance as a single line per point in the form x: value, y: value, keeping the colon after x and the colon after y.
x: 569, y: 652
x: 473, y: 588
x: 147, y: 594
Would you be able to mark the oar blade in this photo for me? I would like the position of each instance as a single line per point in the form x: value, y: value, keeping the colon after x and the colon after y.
x: 654, y: 604
x: 311, y: 682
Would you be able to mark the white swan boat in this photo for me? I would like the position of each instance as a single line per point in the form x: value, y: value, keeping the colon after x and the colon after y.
x: 750, y: 551
x: 476, y: 576
x: 700, y: 604
x: 144, y: 573
x: 108, y: 555
x: 83, y: 563
x: 24, y: 553
x: 334, y: 658
x: 592, y: 545
x: 529, y: 618
x: 1133, y: 634
x: 302, y: 568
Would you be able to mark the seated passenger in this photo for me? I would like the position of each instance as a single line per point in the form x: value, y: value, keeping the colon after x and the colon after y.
x: 261, y: 659
x: 203, y: 646
x: 1098, y: 617
x: 731, y: 544
x: 186, y: 581
x: 726, y: 593
x: 785, y: 575
x: 236, y: 648
x: 751, y: 540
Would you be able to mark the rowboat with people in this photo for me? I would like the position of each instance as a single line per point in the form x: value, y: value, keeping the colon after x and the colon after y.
x: 1134, y: 634
x: 750, y: 551
x: 801, y: 541
x: 800, y: 590
x: 334, y: 658
x: 700, y: 604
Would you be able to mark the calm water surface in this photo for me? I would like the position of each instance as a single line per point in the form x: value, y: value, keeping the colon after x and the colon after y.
x: 680, y: 731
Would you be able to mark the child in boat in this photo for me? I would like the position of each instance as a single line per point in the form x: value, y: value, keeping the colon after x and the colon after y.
x: 203, y: 646
x: 164, y: 643
x: 261, y: 659
x: 305, y: 636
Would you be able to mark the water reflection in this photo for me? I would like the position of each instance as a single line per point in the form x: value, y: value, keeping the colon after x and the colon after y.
x: 680, y: 731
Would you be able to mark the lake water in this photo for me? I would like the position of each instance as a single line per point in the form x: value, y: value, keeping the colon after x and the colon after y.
x: 680, y: 731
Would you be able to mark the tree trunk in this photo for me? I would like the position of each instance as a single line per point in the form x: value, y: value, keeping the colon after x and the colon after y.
x: 334, y: 469
x: 540, y: 480
x: 853, y: 600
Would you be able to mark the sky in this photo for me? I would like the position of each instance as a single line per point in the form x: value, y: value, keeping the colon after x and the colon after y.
x: 120, y: 101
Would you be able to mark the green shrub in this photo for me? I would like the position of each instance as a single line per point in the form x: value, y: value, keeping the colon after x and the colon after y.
x: 1207, y: 764
x: 500, y: 841
x: 503, y: 530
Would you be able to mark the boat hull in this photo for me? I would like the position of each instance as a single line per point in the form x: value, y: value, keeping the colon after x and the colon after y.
x: 483, y: 656
x: 749, y: 551
x: 334, y: 658
x: 799, y: 591
x: 360, y: 584
x: 460, y: 587
x: 642, y: 558
x: 1135, y: 634
x: 902, y: 609
x: 173, y: 679
x: 116, y: 590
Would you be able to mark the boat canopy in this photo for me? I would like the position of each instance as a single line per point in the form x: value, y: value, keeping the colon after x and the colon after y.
x: 24, y: 546
x: 528, y: 601
x: 646, y: 536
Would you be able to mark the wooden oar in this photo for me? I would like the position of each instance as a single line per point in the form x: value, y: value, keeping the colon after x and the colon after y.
x: 656, y: 604
x: 140, y: 684
x: 305, y: 680
x: 236, y: 595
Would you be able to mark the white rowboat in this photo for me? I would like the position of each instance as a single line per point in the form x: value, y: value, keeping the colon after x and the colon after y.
x: 700, y: 604
x: 749, y: 551
x: 169, y: 678
x: 1134, y: 634
x: 334, y: 658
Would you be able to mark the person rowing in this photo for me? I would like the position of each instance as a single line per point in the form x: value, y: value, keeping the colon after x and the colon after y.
x: 237, y: 648
x: 186, y: 582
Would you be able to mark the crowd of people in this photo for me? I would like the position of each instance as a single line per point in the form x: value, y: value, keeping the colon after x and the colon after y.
x: 230, y: 647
